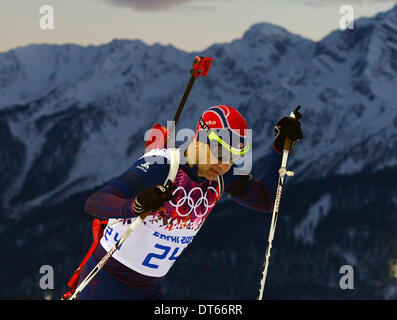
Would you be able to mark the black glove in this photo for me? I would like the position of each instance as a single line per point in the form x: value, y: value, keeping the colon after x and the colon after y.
x: 152, y: 198
x: 287, y: 127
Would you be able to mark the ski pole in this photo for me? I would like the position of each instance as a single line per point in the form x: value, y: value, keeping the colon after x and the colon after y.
x: 106, y: 257
x: 282, y: 172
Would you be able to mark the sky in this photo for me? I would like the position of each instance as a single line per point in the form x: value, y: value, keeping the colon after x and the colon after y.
x: 189, y: 25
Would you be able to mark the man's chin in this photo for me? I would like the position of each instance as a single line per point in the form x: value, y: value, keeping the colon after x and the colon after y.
x: 211, y: 177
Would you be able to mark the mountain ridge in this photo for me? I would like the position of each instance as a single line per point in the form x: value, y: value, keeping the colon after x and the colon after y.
x: 333, y: 82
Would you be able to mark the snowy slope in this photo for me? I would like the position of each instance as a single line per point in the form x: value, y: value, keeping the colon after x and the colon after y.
x: 305, y: 230
x: 73, y: 117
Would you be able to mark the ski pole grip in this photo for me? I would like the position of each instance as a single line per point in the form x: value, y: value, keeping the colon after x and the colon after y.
x: 295, y: 116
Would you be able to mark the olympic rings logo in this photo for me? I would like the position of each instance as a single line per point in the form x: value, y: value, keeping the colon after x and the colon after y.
x: 193, y: 206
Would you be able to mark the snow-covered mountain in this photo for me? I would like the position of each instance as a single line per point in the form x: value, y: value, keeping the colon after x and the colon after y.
x: 72, y: 118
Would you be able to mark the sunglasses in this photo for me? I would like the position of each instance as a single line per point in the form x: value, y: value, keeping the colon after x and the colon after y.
x: 219, y: 148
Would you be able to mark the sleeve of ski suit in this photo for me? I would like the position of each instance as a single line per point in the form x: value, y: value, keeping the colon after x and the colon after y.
x: 115, y: 199
x: 257, y: 194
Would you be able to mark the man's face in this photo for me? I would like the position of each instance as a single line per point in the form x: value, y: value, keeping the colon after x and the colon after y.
x: 208, y: 165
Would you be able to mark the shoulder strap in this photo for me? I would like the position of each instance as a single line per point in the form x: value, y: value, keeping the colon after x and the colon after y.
x: 174, y: 164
